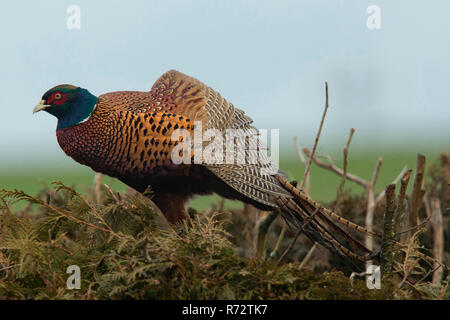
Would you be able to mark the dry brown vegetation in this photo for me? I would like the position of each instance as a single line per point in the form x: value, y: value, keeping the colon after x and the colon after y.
x: 127, y: 250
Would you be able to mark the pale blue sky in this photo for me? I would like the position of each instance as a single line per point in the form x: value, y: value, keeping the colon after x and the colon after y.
x: 270, y: 58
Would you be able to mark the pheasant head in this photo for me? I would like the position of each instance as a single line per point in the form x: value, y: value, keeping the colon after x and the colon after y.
x: 69, y: 104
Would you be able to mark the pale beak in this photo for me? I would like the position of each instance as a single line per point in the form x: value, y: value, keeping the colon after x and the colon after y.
x: 40, y: 106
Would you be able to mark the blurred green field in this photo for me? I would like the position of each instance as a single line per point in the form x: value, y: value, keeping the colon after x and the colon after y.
x: 323, y: 183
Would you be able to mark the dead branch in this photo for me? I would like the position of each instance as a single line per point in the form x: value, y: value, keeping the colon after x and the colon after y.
x: 332, y: 167
x: 302, y: 158
x: 371, y: 200
x: 421, y: 225
x: 371, y: 206
x: 97, y: 186
x: 344, y: 173
x: 317, y: 137
x: 387, y: 246
x: 395, y: 181
x: 438, y: 238
x: 308, y: 256
x: 400, y: 212
x: 280, y: 239
x: 417, y: 192
x: 261, y: 229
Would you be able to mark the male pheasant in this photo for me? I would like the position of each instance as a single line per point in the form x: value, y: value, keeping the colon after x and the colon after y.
x: 128, y: 135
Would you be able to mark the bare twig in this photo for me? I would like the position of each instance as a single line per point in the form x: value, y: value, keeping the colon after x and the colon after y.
x: 371, y: 200
x: 400, y: 212
x: 302, y: 158
x: 221, y: 205
x: 387, y: 246
x: 97, y: 187
x: 435, y: 268
x: 419, y: 226
x: 344, y: 173
x: 308, y: 256
x: 291, y: 245
x: 261, y: 237
x: 395, y: 181
x: 111, y: 192
x: 280, y: 239
x: 10, y: 267
x: 371, y: 206
x: 332, y: 167
x: 438, y: 238
x: 417, y: 192
x: 317, y: 137
x: 299, y: 151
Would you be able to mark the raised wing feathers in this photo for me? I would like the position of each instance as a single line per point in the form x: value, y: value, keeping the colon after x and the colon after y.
x: 179, y: 94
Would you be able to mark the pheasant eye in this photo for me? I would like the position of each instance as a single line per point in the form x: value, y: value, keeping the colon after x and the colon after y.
x: 58, y: 95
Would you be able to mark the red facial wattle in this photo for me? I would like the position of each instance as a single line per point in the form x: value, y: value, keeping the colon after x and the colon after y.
x: 57, y: 98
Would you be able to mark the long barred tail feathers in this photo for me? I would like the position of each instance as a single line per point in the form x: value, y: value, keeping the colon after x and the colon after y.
x: 313, y: 220
x: 302, y: 196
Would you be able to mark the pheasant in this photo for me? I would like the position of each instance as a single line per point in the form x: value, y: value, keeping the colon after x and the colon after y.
x: 129, y: 135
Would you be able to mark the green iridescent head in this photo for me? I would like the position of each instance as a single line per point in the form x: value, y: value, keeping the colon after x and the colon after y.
x: 69, y: 104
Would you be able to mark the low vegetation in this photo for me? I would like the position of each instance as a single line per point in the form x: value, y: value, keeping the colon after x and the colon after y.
x: 126, y: 250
